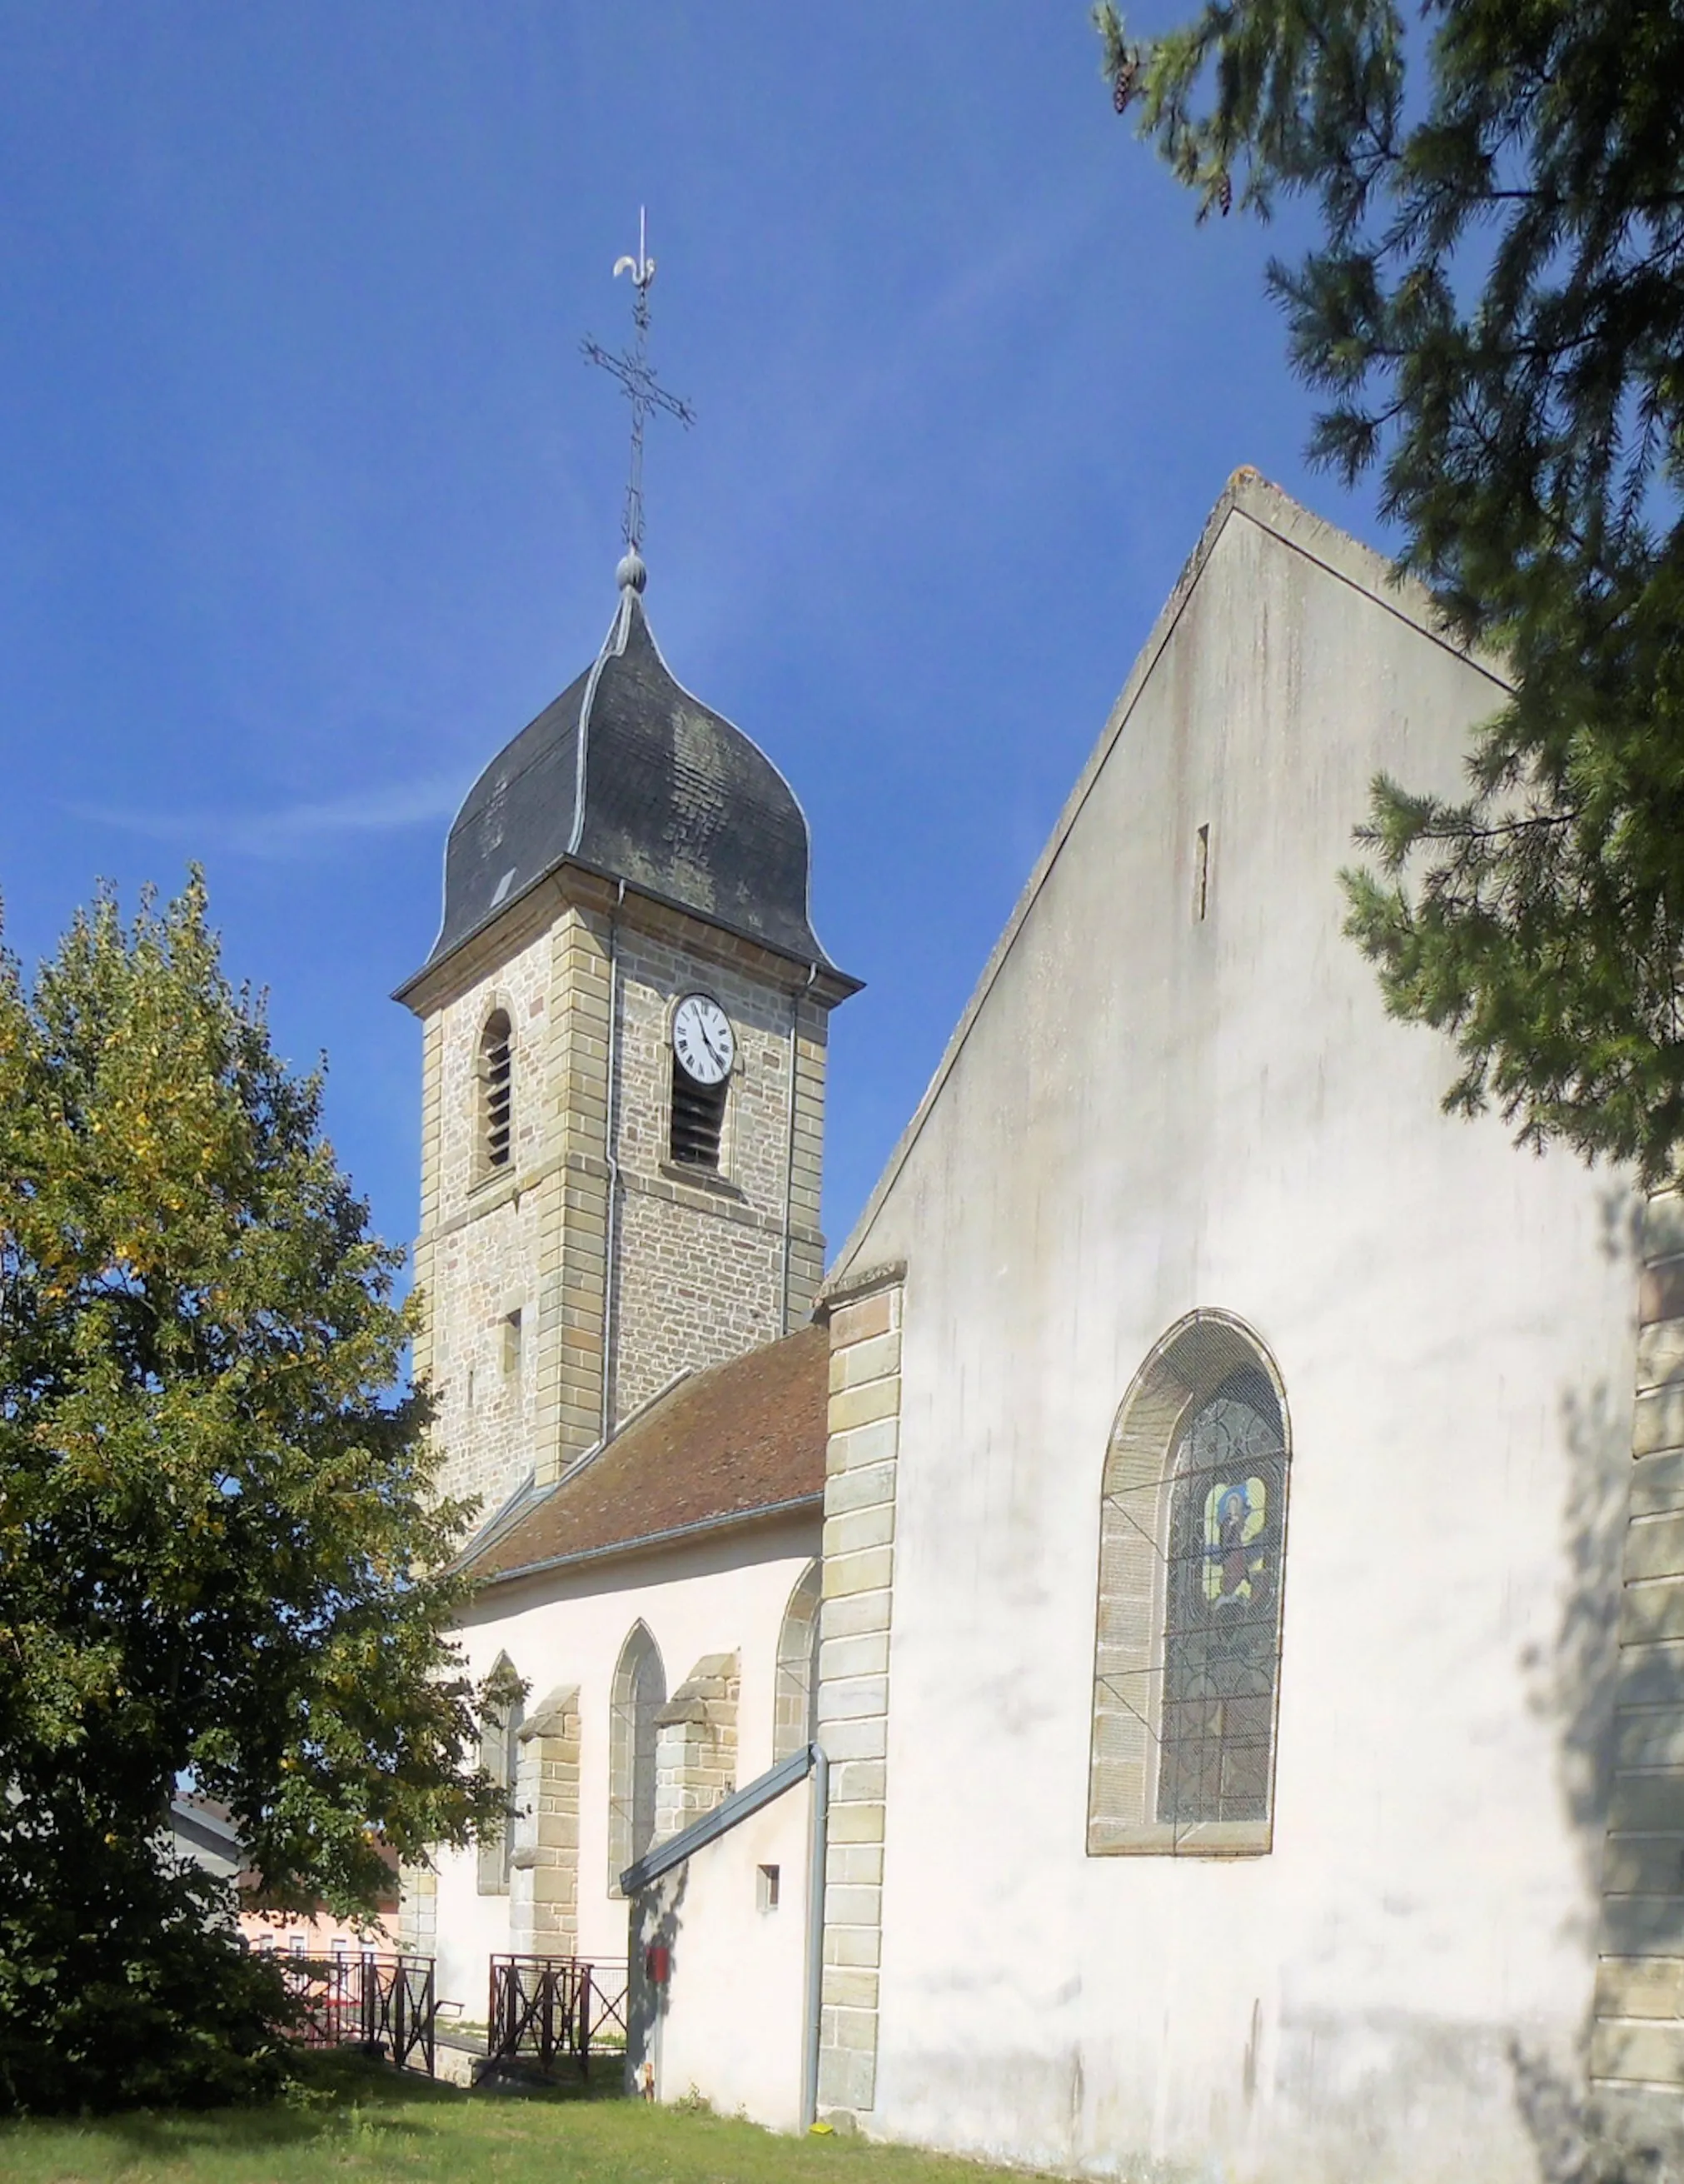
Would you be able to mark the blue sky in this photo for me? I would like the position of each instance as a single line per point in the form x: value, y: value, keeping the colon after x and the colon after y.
x: 309, y: 503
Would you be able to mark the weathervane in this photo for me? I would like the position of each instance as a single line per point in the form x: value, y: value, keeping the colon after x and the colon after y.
x: 632, y: 368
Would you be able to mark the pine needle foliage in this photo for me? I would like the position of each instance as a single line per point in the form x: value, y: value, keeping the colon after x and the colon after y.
x: 1493, y: 315
x: 221, y: 1553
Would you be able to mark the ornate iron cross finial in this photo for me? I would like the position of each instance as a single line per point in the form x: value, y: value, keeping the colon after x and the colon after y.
x: 632, y: 368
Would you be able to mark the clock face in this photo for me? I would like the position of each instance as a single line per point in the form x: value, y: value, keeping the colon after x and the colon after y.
x: 702, y: 1038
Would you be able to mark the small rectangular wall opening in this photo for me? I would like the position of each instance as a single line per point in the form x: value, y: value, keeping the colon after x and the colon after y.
x: 1201, y: 876
x: 511, y: 1343
x: 766, y: 1888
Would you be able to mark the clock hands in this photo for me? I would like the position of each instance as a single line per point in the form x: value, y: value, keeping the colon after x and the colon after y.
x: 701, y: 1038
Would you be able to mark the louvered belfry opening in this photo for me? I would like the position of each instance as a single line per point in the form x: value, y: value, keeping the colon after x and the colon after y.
x: 699, y: 1114
x: 496, y: 1091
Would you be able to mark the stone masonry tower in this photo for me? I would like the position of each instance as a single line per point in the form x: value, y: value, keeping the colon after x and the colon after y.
x: 624, y: 1019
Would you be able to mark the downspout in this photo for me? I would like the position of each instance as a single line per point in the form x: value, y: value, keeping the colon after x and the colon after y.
x: 815, y: 1934
x: 610, y: 1225
x: 789, y: 1166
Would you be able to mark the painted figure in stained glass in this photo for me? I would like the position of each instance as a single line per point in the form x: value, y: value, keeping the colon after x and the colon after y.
x: 1235, y: 1514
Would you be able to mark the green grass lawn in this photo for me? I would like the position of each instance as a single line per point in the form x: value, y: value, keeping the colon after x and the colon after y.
x: 360, y: 2121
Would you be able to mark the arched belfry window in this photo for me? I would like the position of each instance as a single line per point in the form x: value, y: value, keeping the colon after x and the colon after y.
x: 640, y: 1692
x: 499, y: 1745
x: 796, y: 1721
x: 1188, y: 1651
x: 496, y: 1073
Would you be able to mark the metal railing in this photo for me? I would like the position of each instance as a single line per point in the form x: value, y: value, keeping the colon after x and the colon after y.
x: 546, y: 2008
x: 360, y: 1999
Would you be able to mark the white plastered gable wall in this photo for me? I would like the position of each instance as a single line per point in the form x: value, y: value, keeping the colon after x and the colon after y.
x: 1141, y: 1114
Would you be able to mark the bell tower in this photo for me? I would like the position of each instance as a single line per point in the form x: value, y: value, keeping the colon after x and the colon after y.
x: 624, y: 1027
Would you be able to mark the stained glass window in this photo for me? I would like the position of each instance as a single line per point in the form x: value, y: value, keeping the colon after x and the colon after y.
x: 1222, y: 1607
x: 640, y: 1692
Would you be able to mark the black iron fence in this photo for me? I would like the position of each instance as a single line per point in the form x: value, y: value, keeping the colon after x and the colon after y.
x: 360, y: 1999
x: 546, y: 2008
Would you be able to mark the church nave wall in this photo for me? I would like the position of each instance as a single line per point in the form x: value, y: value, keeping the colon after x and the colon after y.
x: 726, y: 1597
x: 1164, y: 1103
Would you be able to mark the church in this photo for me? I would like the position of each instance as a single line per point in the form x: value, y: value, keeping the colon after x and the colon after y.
x: 1168, y: 1652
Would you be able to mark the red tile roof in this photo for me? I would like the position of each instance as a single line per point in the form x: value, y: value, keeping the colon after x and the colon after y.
x: 723, y: 1447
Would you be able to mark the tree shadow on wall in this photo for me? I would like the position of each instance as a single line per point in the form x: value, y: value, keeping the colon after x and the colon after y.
x: 651, y: 1930
x: 1573, y: 1685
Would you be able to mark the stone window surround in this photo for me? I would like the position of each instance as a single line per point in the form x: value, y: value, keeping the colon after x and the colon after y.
x: 486, y: 1171
x: 1132, y: 1563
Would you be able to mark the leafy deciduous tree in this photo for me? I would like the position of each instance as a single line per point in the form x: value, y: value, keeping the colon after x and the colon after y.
x: 220, y: 1550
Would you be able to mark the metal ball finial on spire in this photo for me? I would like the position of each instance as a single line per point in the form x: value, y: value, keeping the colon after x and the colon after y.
x: 645, y: 392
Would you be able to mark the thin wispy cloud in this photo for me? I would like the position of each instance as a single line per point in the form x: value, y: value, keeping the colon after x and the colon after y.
x: 1040, y: 244
x: 288, y: 830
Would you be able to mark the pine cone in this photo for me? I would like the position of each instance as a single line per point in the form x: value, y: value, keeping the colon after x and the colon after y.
x: 1224, y: 193
x: 1122, y: 86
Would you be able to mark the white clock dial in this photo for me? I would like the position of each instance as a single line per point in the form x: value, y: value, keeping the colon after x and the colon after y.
x: 703, y: 1040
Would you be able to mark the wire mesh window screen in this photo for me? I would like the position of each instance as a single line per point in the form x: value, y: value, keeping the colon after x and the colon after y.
x: 795, y: 1723
x: 499, y: 1744
x: 1223, y: 1601
x: 640, y: 1692
x: 496, y: 1091
x: 1188, y: 1642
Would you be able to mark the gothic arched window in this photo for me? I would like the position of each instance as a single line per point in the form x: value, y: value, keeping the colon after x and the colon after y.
x: 1187, y: 1666
x: 499, y: 1746
x: 495, y: 1073
x: 795, y: 1722
x: 640, y: 1692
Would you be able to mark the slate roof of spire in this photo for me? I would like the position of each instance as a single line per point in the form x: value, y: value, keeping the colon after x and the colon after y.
x: 628, y: 775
